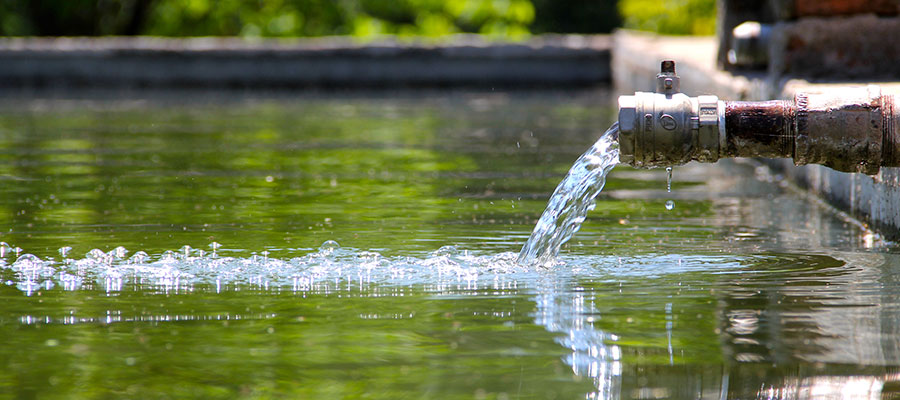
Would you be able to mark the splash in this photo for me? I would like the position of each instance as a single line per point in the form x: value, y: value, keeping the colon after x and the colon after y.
x: 330, y: 268
x: 572, y: 200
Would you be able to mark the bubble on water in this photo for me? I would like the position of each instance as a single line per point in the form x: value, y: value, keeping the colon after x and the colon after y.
x: 64, y: 251
x: 119, y: 252
x: 167, y: 256
x: 28, y: 259
x: 28, y: 286
x: 138, y: 258
x: 330, y: 268
x: 368, y: 255
x: 670, y: 205
x: 96, y: 255
x: 329, y: 246
x: 185, y: 250
x: 215, y: 247
x: 70, y: 281
x: 448, y: 251
x: 4, y: 249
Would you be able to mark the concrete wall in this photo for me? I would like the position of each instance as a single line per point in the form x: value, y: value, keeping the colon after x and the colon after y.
x: 215, y: 62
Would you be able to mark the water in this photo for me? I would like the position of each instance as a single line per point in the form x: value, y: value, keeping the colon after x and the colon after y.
x: 668, y: 179
x: 345, y: 246
x: 670, y: 204
x: 572, y: 199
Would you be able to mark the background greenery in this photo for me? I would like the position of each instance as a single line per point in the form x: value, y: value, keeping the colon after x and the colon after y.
x: 360, y: 18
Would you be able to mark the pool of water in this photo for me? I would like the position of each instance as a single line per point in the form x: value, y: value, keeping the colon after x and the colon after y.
x: 233, y: 245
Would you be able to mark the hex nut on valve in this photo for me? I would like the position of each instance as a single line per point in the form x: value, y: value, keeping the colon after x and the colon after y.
x: 627, y: 122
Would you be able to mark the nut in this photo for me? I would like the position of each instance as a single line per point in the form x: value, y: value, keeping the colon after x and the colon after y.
x: 627, y: 113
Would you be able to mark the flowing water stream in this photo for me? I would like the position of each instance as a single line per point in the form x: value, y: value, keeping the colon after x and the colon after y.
x: 572, y: 200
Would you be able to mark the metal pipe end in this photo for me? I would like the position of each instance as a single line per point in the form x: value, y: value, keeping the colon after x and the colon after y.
x: 891, y: 131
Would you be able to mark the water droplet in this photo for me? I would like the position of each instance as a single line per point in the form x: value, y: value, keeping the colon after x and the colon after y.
x: 670, y: 205
x: 669, y: 180
x: 186, y: 250
x: 4, y: 249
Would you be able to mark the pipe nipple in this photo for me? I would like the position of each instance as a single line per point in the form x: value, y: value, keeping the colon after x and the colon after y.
x: 667, y: 81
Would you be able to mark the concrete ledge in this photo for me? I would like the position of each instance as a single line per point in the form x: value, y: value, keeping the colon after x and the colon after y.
x: 333, y: 62
x: 636, y: 57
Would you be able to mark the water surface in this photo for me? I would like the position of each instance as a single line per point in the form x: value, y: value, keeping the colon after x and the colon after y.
x: 744, y: 290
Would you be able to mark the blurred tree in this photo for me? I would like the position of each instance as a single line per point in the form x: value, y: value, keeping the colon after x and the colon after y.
x: 73, y: 17
x: 680, y: 17
x: 575, y: 16
x: 248, y: 18
x: 508, y: 18
x: 362, y: 18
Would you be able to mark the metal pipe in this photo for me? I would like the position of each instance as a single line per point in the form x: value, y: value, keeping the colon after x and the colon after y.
x: 849, y: 129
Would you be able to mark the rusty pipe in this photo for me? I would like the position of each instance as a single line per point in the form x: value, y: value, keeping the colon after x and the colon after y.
x: 847, y: 129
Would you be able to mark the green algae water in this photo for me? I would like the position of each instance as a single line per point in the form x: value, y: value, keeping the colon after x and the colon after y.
x: 178, y: 245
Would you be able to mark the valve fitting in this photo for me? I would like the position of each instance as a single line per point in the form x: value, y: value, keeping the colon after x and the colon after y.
x: 669, y: 127
x: 850, y: 129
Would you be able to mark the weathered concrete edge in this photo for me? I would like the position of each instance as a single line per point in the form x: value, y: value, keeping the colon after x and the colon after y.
x: 635, y: 62
x: 552, y: 60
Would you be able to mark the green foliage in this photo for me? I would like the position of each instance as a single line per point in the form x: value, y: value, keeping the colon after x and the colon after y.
x: 269, y: 18
x: 360, y: 18
x: 248, y: 18
x: 680, y: 17
x: 435, y: 17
